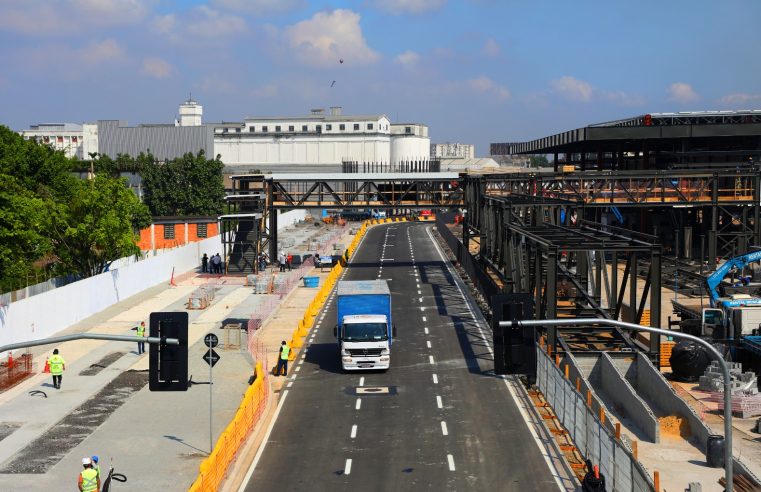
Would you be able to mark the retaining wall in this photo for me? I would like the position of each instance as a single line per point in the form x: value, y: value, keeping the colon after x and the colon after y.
x: 45, y: 314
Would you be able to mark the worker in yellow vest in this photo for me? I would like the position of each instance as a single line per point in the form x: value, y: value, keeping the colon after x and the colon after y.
x: 282, y: 361
x: 141, y: 333
x: 88, y: 478
x: 57, y: 366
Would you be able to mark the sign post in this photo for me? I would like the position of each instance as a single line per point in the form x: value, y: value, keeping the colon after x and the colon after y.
x: 211, y: 358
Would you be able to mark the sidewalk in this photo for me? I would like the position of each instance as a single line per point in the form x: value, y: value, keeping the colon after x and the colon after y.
x: 156, y: 439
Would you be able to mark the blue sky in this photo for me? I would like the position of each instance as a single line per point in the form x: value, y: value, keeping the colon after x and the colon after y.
x: 474, y: 71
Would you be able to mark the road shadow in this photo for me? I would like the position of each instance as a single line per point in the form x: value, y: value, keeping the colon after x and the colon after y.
x: 325, y: 356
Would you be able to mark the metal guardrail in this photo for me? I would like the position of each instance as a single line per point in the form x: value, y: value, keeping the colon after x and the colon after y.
x: 623, y: 473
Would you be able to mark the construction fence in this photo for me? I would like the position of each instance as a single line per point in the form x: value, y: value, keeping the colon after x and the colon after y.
x: 214, y: 468
x: 622, y: 471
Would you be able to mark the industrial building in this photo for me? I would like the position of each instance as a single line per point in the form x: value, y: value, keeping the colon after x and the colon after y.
x: 319, y: 141
x: 453, y: 151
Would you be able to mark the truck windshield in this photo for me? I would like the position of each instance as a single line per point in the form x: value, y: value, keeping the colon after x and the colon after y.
x: 365, y: 332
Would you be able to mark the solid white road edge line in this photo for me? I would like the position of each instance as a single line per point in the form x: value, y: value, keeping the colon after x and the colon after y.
x: 259, y: 453
x: 553, y: 469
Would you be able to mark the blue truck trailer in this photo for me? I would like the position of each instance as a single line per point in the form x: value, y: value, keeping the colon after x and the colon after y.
x: 364, y: 328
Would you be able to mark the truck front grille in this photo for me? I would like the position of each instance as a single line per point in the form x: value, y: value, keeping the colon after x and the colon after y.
x: 365, y: 352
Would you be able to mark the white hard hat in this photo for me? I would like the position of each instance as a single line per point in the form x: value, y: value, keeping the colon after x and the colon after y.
x: 87, y: 460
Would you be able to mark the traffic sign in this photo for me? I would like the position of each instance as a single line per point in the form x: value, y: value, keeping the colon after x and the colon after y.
x: 211, y: 340
x: 211, y: 357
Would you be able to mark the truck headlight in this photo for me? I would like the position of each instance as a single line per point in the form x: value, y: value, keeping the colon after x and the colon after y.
x: 385, y: 352
x: 345, y: 352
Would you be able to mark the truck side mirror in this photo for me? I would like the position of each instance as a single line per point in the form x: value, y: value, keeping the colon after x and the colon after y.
x: 393, y: 330
x: 335, y: 331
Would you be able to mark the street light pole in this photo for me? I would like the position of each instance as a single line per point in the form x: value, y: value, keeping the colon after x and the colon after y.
x: 631, y: 326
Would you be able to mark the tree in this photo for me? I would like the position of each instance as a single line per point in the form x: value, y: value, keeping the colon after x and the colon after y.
x: 97, y: 225
x: 188, y: 185
x: 538, y: 161
x: 23, y: 220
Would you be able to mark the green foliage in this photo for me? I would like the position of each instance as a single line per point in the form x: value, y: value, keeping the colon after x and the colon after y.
x: 37, y: 167
x: 23, y: 223
x: 189, y: 185
x: 51, y: 220
x: 538, y: 161
x: 97, y: 226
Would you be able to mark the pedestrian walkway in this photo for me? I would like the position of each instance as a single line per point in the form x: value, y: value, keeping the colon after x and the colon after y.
x: 104, y: 407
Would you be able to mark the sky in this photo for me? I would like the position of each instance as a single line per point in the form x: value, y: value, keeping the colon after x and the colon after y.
x: 474, y: 71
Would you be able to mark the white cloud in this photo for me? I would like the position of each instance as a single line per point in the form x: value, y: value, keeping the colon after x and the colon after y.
x: 329, y: 37
x: 260, y: 7
x: 572, y: 88
x: 740, y: 98
x: 492, y: 47
x: 156, y: 68
x: 485, y: 85
x: 97, y: 52
x: 46, y: 17
x: 408, y: 58
x: 399, y: 7
x: 200, y: 24
x: 682, y: 92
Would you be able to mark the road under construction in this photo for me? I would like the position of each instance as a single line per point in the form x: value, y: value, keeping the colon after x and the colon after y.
x: 632, y: 213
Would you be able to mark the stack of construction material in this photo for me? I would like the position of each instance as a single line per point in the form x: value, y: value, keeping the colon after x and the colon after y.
x: 201, y: 298
x: 262, y: 285
x: 742, y: 382
x: 250, y: 280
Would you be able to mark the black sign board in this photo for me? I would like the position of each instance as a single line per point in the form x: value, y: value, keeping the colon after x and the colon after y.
x: 211, y: 357
x: 211, y: 340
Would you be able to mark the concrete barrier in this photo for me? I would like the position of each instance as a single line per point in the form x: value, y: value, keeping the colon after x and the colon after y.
x: 45, y: 314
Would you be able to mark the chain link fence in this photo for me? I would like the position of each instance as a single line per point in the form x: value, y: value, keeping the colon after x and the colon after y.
x: 623, y: 473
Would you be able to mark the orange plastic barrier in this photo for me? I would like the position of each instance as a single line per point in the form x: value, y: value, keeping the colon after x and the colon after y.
x: 214, y: 468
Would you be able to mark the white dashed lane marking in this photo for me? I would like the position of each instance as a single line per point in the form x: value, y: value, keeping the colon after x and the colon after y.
x: 428, y: 343
x: 362, y: 381
x: 439, y: 402
x: 450, y: 459
x: 435, y: 379
x: 444, y: 429
x: 353, y: 431
x: 347, y: 468
x: 358, y: 404
x: 430, y: 359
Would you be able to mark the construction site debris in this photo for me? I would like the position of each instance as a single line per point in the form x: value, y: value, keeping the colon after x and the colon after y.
x: 741, y: 382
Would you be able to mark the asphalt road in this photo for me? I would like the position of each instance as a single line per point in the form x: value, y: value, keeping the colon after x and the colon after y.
x: 446, y: 422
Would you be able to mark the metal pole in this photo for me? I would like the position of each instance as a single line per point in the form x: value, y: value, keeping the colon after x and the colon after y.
x: 631, y: 326
x: 88, y: 336
x: 211, y: 438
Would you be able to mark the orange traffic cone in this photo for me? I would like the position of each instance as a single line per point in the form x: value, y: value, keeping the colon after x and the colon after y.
x: 47, y: 365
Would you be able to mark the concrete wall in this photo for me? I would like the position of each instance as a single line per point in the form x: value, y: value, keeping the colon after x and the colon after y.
x: 650, y: 383
x: 585, y: 369
x: 45, y: 314
x: 620, y: 392
x: 291, y: 217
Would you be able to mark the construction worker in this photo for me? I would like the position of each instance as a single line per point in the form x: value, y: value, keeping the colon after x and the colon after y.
x: 282, y: 361
x: 88, y: 478
x: 141, y: 333
x: 96, y: 465
x: 57, y: 366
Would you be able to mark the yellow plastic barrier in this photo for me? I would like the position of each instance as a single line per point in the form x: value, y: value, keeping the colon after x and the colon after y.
x: 212, y: 470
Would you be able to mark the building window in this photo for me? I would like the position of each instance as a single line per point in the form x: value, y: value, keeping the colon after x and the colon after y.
x: 290, y: 128
x: 342, y: 127
x: 356, y: 127
x: 407, y: 129
x: 328, y: 128
x: 277, y: 128
x: 237, y: 130
x: 264, y: 129
x: 201, y: 230
x: 251, y: 129
x: 318, y: 128
x: 226, y: 130
x: 369, y: 126
x: 168, y: 231
x: 303, y: 128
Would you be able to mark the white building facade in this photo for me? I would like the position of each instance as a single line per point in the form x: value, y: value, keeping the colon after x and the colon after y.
x: 453, y: 151
x: 318, y: 139
x: 67, y: 137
